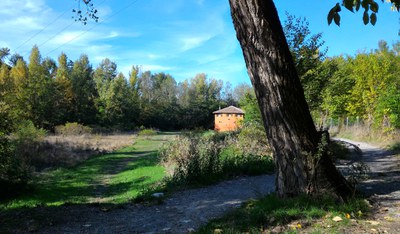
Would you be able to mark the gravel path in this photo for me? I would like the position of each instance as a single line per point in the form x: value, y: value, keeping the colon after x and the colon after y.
x: 182, y: 212
x: 382, y: 185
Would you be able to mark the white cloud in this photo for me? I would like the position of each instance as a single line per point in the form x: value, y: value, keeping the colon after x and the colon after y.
x: 34, y: 6
x: 154, y: 67
x: 113, y: 34
x: 154, y: 56
x: 67, y: 37
x: 12, y: 7
x: 22, y: 23
x: 193, y: 42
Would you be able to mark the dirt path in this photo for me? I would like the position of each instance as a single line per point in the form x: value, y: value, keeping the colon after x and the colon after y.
x: 381, y: 186
x: 183, y: 212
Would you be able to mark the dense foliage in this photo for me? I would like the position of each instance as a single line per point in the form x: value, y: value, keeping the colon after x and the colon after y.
x: 365, y: 87
x: 198, y: 158
x: 51, y: 94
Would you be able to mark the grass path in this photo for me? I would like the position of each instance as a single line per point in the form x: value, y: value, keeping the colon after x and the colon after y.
x: 114, y: 178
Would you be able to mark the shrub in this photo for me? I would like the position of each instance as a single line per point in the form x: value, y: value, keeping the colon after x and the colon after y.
x: 8, y: 165
x: 147, y: 132
x: 201, y: 159
x: 252, y: 140
x: 27, y: 133
x: 26, y: 140
x: 192, y: 159
x: 16, y: 154
x: 73, y: 129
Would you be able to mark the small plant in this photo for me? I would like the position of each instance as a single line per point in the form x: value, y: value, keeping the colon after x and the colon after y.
x: 338, y: 150
x: 73, y: 129
x: 395, y: 147
x: 147, y: 132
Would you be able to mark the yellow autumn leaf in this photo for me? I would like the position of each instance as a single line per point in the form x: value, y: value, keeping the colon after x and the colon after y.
x: 388, y: 218
x: 299, y: 225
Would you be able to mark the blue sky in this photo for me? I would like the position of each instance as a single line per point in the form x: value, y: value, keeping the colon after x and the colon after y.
x: 179, y: 37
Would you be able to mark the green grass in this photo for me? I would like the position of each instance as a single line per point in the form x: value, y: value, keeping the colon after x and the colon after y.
x: 257, y: 215
x: 115, y: 178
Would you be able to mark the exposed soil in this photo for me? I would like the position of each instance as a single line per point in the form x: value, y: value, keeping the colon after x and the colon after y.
x: 182, y: 212
x: 381, y: 187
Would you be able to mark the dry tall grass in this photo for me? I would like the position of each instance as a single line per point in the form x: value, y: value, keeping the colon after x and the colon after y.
x: 367, y: 134
x: 60, y: 150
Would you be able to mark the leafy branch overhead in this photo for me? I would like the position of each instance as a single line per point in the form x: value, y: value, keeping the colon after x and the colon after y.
x: 370, y: 7
x: 84, y: 15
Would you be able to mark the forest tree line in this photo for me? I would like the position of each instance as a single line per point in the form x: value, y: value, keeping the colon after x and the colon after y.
x: 51, y: 93
x: 365, y: 87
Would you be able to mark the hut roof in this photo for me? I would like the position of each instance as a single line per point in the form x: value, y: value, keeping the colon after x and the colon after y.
x: 229, y: 110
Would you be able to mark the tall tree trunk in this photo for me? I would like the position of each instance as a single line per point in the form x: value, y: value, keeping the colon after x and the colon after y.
x: 300, y: 166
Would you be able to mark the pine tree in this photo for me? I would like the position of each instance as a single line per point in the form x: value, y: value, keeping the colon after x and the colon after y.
x: 84, y: 92
x: 64, y: 90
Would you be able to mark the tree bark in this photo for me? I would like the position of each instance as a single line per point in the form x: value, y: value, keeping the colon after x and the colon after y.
x: 301, y: 167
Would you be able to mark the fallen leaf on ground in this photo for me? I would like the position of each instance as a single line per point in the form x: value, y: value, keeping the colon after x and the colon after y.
x: 388, y: 218
x: 337, y: 219
x: 373, y: 223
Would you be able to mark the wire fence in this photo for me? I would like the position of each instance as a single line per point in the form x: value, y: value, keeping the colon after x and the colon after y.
x: 341, y: 122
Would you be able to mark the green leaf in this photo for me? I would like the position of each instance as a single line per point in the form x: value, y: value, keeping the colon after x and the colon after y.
x: 358, y: 4
x: 366, y: 17
x: 336, y: 18
x: 349, y: 4
x: 336, y: 8
x: 365, y: 4
x: 330, y: 17
x: 373, y: 18
x: 374, y: 7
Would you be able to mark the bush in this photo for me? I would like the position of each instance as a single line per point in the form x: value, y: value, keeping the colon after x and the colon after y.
x: 8, y: 165
x: 73, y: 129
x: 252, y: 140
x: 26, y: 133
x: 16, y: 154
x: 147, y: 132
x: 202, y: 159
x: 26, y: 140
x: 192, y: 160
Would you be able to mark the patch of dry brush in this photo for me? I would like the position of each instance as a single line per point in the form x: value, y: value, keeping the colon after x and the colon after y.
x: 61, y: 150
